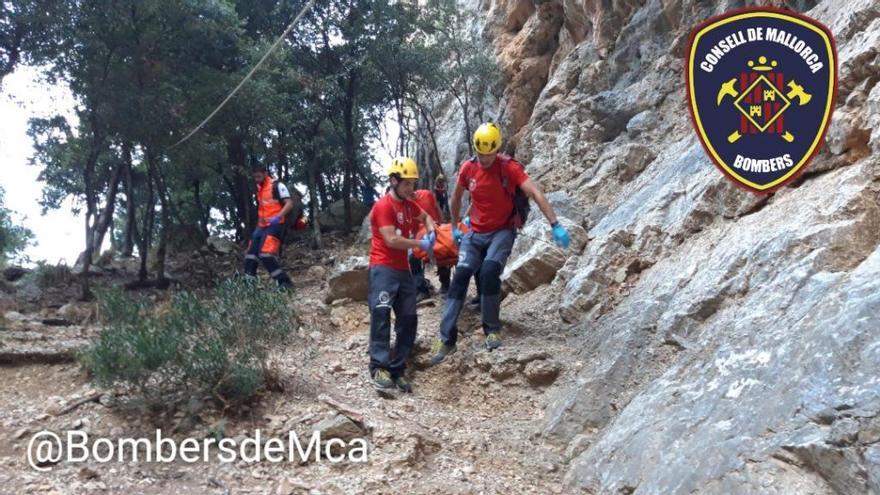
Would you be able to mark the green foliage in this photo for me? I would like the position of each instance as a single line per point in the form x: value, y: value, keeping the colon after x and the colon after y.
x: 46, y: 275
x: 462, y: 60
x: 13, y: 237
x: 194, y: 348
x: 146, y: 72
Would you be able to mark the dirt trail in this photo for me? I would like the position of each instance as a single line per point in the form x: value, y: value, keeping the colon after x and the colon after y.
x: 469, y: 427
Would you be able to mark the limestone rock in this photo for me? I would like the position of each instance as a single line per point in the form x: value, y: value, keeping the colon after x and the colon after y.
x: 770, y: 301
x: 349, y: 280
x: 221, y: 245
x: 78, y: 312
x: 535, y: 258
x: 333, y: 218
x: 542, y: 373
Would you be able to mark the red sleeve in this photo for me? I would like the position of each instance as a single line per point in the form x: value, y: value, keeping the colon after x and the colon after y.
x: 383, y: 215
x: 434, y: 211
x: 517, y: 173
x: 462, y: 175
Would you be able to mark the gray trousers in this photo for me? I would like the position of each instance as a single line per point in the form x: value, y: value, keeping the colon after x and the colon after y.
x: 391, y: 289
x: 486, y: 254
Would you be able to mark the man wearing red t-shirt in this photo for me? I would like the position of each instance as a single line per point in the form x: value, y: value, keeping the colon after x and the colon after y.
x: 394, y: 220
x: 428, y: 203
x: 491, y: 179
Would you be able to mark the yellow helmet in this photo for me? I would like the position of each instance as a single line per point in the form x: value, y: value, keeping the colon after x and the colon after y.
x: 405, y: 167
x: 487, y: 139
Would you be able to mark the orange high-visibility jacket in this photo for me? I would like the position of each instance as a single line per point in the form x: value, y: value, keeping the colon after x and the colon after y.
x: 268, y: 205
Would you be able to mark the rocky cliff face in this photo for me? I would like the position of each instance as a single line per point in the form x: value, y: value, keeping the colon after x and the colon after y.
x: 731, y: 342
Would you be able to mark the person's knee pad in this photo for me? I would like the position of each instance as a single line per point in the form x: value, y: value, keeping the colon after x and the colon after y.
x: 381, y: 313
x: 490, y: 278
x: 458, y: 289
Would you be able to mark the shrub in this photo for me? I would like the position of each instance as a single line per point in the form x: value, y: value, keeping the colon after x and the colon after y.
x: 47, y: 275
x: 14, y: 238
x: 190, y: 348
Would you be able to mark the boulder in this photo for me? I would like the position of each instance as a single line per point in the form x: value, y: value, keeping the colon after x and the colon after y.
x: 365, y: 234
x: 535, y: 258
x: 349, y: 280
x: 333, y: 218
x: 341, y: 427
x: 542, y: 373
x: 81, y: 313
x: 185, y: 239
x: 222, y: 245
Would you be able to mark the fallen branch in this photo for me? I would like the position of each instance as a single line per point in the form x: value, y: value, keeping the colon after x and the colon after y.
x: 75, y: 404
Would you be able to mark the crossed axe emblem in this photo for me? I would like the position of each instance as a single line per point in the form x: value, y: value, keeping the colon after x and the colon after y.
x: 795, y: 93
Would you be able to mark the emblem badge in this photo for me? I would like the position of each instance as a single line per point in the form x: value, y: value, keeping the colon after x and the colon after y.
x: 761, y: 85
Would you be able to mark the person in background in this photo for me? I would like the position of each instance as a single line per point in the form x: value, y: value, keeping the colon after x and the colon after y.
x: 274, y: 204
x: 427, y: 201
x: 442, y: 196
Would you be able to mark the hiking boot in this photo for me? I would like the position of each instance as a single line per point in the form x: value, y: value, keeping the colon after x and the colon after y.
x: 444, y: 289
x: 493, y: 341
x: 403, y: 384
x: 441, y: 351
x: 421, y: 296
x: 382, y: 379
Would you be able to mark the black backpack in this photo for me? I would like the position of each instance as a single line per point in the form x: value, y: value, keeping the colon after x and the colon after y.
x: 276, y: 195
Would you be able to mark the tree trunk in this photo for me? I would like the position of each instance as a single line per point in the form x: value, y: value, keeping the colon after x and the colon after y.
x: 242, y: 193
x: 91, y: 202
x: 204, y: 213
x: 104, y: 221
x: 350, y: 145
x: 146, y: 238
x: 130, y: 209
x: 311, y: 167
x: 164, y: 219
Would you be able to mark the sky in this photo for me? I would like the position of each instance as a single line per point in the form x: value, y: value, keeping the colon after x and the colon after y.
x: 59, y: 235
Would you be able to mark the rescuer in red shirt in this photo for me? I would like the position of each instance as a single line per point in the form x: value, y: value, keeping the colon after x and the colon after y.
x: 494, y: 182
x: 394, y: 221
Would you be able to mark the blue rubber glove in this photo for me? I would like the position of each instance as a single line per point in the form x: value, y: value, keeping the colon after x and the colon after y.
x: 456, y: 234
x: 560, y: 236
x: 276, y: 220
x: 427, y: 242
x: 467, y: 221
